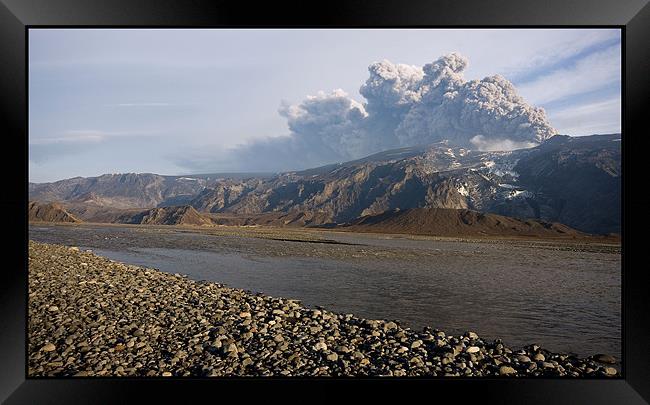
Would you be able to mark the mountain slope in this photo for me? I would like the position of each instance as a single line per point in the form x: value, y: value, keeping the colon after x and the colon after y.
x: 181, y: 215
x: 577, y: 180
x: 48, y: 212
x: 456, y: 223
x: 132, y: 190
x: 570, y: 180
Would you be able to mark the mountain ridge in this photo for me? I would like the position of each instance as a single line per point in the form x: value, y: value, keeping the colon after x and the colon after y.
x: 572, y: 180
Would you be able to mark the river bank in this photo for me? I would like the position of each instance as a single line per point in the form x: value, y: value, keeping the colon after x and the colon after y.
x: 91, y: 316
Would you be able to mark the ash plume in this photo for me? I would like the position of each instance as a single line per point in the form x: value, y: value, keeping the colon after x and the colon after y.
x: 404, y: 106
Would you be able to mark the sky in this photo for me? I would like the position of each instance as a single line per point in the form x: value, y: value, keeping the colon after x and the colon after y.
x: 199, y: 101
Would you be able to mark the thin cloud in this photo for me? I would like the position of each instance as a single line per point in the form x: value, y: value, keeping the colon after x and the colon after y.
x: 552, y: 55
x: 87, y: 136
x: 603, y: 116
x: 590, y: 73
x: 144, y: 104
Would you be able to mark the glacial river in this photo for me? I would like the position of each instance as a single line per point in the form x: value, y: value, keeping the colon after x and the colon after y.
x: 561, y: 297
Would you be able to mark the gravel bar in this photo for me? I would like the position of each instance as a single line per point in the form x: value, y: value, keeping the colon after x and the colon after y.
x: 91, y: 316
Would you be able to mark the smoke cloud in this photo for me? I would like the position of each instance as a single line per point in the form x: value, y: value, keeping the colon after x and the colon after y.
x: 488, y: 145
x: 404, y: 106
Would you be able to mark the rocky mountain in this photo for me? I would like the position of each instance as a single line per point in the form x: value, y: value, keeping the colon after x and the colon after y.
x: 180, y: 215
x: 48, y: 212
x: 456, y: 223
x: 132, y: 190
x: 572, y: 180
x: 575, y: 181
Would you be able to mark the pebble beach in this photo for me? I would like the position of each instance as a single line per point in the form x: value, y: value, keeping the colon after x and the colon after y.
x: 92, y: 316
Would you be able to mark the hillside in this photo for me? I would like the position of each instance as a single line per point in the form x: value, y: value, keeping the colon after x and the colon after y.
x: 180, y: 215
x: 456, y: 223
x: 48, y: 212
x: 575, y: 181
x: 132, y: 190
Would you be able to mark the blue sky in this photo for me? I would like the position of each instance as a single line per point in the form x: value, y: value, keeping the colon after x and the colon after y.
x: 107, y: 101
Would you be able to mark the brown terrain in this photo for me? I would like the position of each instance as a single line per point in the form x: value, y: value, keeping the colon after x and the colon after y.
x: 182, y: 215
x: 457, y: 223
x: 50, y: 212
x: 443, y: 222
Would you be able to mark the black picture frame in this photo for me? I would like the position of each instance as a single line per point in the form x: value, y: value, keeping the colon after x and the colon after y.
x: 16, y: 16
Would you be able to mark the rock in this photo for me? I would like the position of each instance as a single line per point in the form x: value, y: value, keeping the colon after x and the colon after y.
x: 473, y: 349
x: 539, y: 357
x: 166, y: 374
x: 507, y: 370
x: 320, y: 346
x: 523, y: 359
x: 610, y: 371
x: 332, y: 357
x: 390, y: 325
x: 472, y: 335
x: 372, y: 324
x: 416, y: 344
x: 48, y: 347
x: 53, y: 308
x: 245, y: 315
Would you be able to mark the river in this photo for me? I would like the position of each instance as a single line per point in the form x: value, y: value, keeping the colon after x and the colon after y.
x: 563, y: 298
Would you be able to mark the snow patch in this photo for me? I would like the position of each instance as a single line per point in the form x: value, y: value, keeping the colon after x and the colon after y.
x: 503, y: 168
x: 462, y: 190
x: 450, y: 152
x: 519, y: 194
